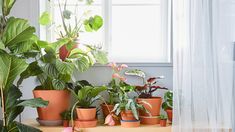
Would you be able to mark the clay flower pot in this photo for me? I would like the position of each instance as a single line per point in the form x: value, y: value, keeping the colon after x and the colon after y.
x: 65, y: 123
x: 154, y: 110
x: 86, y: 114
x: 85, y: 124
x: 169, y: 114
x: 129, y: 124
x: 59, y: 101
x: 163, y: 123
x: 64, y: 53
x: 127, y: 116
x: 105, y: 108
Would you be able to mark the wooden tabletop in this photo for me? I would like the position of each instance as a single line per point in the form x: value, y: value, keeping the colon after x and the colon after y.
x: 142, y: 128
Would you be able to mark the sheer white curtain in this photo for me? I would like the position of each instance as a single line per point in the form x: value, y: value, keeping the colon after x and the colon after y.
x: 204, y: 35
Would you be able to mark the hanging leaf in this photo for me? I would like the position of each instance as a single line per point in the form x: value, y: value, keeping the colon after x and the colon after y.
x: 100, y: 56
x: 34, y: 103
x: 45, y: 18
x: 67, y: 14
x: 7, y: 5
x: 93, y: 23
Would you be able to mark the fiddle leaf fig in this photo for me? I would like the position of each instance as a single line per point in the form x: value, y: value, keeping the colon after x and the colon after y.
x: 17, y: 31
x: 7, y: 5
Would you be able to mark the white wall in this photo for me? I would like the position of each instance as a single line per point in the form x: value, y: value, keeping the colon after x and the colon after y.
x: 97, y: 75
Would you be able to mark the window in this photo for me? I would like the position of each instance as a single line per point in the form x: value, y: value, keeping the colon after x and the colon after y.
x: 134, y: 31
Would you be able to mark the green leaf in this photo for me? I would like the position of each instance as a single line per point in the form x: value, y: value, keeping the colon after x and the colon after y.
x: 65, y: 67
x: 67, y: 14
x: 17, y: 31
x: 135, y: 72
x: 82, y: 64
x: 93, y: 23
x: 101, y: 57
x: 11, y: 67
x: 97, y: 90
x: 2, y: 46
x: 34, y: 103
x: 45, y: 18
x: 25, y: 128
x: 7, y: 5
x: 58, y: 84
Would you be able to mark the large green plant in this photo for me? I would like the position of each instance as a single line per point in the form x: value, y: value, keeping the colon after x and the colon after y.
x: 16, y: 44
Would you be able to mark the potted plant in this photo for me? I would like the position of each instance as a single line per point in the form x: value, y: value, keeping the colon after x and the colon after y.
x: 113, y: 88
x: 145, y: 94
x: 168, y: 104
x: 163, y: 120
x: 66, y: 117
x: 72, y: 25
x: 128, y: 108
x: 54, y: 72
x: 15, y: 48
x: 85, y: 95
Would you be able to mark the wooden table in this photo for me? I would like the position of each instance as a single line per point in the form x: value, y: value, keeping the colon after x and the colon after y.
x: 142, y: 128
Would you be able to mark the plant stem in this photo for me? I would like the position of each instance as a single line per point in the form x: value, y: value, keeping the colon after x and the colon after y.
x: 3, y: 107
x: 72, y: 113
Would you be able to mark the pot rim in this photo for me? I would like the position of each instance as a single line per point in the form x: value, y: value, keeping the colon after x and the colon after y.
x: 149, y: 98
x: 50, y: 90
x: 130, y: 120
x: 90, y: 108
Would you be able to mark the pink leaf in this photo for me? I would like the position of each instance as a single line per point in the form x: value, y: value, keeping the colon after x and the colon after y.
x: 109, y: 120
x: 68, y: 129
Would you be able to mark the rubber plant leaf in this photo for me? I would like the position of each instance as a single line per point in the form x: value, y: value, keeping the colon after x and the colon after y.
x: 11, y: 67
x: 45, y: 18
x: 17, y: 30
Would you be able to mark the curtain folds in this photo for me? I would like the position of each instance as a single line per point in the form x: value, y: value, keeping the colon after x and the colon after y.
x: 203, y: 40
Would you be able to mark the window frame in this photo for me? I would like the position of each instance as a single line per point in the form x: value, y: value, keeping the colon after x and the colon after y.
x: 107, y: 37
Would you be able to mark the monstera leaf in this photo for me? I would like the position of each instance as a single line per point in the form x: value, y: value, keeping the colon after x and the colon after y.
x: 11, y: 67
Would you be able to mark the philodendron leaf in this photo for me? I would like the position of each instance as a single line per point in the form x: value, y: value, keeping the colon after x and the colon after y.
x: 67, y: 14
x: 34, y: 103
x: 17, y: 31
x: 45, y: 18
x: 11, y: 67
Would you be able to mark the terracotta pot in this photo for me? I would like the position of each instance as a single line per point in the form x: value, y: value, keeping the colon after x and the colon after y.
x: 59, y: 101
x: 66, y: 123
x: 105, y: 108
x: 127, y: 116
x: 169, y: 114
x: 85, y: 124
x: 155, y: 102
x: 129, y: 124
x: 86, y: 114
x: 64, y: 53
x: 149, y: 120
x: 163, y: 123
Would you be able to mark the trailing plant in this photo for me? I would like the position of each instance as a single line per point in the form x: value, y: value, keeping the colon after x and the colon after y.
x: 17, y: 43
x: 168, y: 100
x: 149, y: 87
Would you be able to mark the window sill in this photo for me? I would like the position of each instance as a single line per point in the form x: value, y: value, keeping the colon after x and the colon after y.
x: 142, y: 64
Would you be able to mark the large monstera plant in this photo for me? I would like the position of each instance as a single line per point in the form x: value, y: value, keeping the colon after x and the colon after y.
x: 17, y: 42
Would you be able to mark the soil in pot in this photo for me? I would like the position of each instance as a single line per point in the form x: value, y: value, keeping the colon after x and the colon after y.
x: 169, y: 114
x: 59, y: 101
x: 127, y: 115
x: 163, y: 123
x: 86, y: 114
